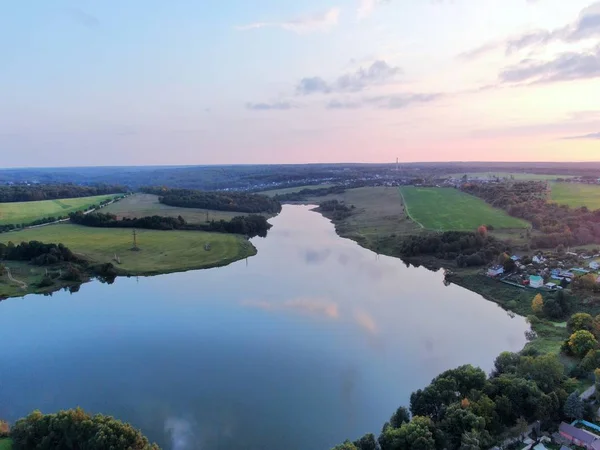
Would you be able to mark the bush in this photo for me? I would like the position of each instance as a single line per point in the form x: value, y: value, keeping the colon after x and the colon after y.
x: 46, y: 282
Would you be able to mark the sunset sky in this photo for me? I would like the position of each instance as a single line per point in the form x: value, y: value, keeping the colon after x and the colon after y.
x: 136, y: 82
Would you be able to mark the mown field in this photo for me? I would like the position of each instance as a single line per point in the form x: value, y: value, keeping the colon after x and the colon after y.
x: 5, y: 444
x: 512, y: 175
x: 290, y: 190
x: 576, y: 195
x: 26, y: 212
x: 141, y: 205
x: 161, y: 251
x: 446, y: 209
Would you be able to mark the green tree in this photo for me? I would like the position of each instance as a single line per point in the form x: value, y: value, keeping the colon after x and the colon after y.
x: 476, y: 440
x: 546, y: 370
x: 457, y: 421
x: 346, y: 446
x: 415, y: 435
x: 537, y: 305
x: 580, y: 321
x: 574, y: 406
x: 75, y: 429
x: 506, y: 362
x: 591, y: 361
x: 367, y: 442
x: 399, y: 417
x: 581, y: 342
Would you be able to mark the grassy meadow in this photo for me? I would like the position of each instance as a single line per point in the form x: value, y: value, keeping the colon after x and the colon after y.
x: 5, y: 444
x: 160, y: 251
x: 447, y: 209
x: 291, y: 190
x: 141, y: 205
x: 26, y: 212
x: 576, y: 195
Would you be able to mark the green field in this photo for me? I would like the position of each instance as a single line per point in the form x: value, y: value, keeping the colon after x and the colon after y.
x: 576, y: 195
x: 142, y: 205
x: 26, y: 212
x: 447, y: 209
x: 5, y: 444
x: 291, y: 190
x: 512, y: 175
x: 161, y: 251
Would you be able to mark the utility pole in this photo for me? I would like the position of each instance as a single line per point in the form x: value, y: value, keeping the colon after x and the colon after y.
x: 135, y: 246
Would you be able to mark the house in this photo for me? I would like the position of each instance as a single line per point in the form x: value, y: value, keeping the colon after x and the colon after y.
x: 495, y: 271
x: 535, y: 281
x: 538, y: 259
x: 579, y: 436
x: 594, y: 265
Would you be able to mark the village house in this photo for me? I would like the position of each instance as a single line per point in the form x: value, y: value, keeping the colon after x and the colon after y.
x: 594, y: 265
x: 495, y: 271
x: 579, y: 436
x: 535, y: 281
x: 538, y: 259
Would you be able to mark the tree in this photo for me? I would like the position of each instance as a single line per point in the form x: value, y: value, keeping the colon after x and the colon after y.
x: 580, y: 321
x: 509, y: 265
x: 537, y: 305
x: 416, y: 435
x: 581, y: 342
x: 574, y: 407
x: 458, y: 421
x: 399, y: 417
x: 597, y: 384
x: 346, y: 446
x: 74, y: 429
x: 546, y: 370
x: 506, y: 362
x: 367, y: 442
x: 483, y: 231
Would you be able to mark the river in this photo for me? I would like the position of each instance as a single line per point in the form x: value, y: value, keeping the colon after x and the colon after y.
x: 312, y: 341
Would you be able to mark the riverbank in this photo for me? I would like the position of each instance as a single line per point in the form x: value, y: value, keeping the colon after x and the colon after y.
x: 159, y: 252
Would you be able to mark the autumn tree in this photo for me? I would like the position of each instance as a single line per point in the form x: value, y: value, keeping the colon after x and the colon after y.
x: 580, y: 321
x: 482, y: 230
x: 346, y: 446
x: 581, y: 342
x: 537, y: 305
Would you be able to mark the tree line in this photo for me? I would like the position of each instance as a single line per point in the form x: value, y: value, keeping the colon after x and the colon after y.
x: 558, y: 224
x: 23, y: 193
x: 467, y: 249
x: 304, y: 194
x: 464, y: 409
x: 218, y: 201
x: 251, y: 225
x: 37, y: 253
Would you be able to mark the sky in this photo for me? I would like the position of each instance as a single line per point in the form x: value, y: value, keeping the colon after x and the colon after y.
x: 151, y: 82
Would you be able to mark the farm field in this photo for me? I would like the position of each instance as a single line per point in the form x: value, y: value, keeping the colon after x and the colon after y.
x: 447, y: 209
x: 290, y: 190
x: 142, y: 205
x: 576, y: 195
x: 512, y: 175
x: 26, y: 212
x: 160, y: 251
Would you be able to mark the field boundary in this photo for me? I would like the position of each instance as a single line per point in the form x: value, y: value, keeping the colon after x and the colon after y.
x: 407, y: 210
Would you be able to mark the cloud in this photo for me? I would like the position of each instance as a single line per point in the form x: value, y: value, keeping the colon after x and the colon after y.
x: 322, y: 21
x: 365, y: 321
x: 586, y: 26
x: 303, y: 305
x: 564, y: 67
x: 377, y: 73
x: 399, y: 101
x: 366, y: 7
x: 343, y: 104
x: 82, y: 17
x: 281, y: 106
x: 591, y: 136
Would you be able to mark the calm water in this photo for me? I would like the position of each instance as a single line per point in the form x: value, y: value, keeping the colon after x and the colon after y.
x: 312, y: 341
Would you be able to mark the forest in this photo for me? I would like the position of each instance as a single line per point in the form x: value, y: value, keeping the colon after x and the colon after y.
x: 219, y: 201
x: 251, y: 225
x: 304, y: 194
x: 24, y: 193
x: 37, y: 253
x: 558, y: 224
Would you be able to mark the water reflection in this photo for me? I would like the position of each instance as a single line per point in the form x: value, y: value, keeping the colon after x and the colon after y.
x: 312, y: 341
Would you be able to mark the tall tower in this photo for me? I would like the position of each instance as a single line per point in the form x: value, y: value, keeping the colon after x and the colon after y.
x: 397, y: 165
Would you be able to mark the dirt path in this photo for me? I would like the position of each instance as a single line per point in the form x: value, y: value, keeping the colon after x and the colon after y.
x: 14, y: 280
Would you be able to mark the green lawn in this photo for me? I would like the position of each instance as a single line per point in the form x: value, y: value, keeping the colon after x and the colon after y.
x: 161, y: 251
x: 142, y: 205
x: 5, y: 444
x: 446, y: 209
x: 576, y: 195
x: 26, y: 212
x: 512, y: 175
x: 273, y: 192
